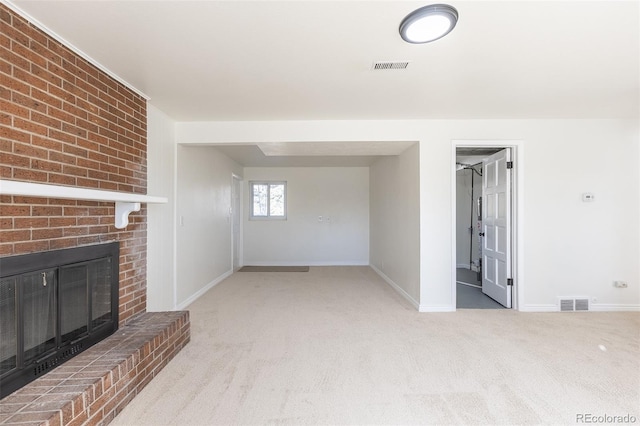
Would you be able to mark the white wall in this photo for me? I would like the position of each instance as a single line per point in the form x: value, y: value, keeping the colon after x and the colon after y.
x: 568, y: 247
x: 203, y: 240
x: 577, y: 248
x: 161, y: 172
x: 395, y: 221
x: 338, y: 193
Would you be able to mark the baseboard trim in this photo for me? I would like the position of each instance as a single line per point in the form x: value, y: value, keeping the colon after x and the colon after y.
x: 429, y: 308
x: 397, y: 288
x: 539, y: 308
x: 182, y: 306
x: 593, y: 307
x: 468, y: 284
x: 311, y: 263
x: 612, y: 307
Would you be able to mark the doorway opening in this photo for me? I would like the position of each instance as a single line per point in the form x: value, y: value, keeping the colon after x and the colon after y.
x: 484, y: 225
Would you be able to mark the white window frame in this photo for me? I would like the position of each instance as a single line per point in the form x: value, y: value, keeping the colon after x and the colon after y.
x: 252, y: 183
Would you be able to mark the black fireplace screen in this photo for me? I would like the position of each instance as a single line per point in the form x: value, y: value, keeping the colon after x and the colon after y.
x: 54, y: 305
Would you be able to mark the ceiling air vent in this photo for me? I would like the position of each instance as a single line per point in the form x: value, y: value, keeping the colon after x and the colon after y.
x: 390, y: 65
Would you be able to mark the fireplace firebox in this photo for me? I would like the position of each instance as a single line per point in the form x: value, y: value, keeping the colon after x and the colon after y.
x: 54, y: 305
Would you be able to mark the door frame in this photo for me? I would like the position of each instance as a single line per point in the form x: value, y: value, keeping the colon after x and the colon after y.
x: 517, y: 214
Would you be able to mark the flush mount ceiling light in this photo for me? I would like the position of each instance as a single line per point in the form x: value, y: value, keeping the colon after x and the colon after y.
x: 428, y: 23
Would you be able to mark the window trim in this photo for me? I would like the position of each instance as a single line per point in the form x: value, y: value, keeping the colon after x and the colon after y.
x: 252, y: 183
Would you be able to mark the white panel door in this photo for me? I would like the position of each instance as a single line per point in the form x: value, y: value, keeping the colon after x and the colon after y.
x: 496, y: 226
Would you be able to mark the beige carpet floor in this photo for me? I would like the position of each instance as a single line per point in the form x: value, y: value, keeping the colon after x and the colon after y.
x: 338, y: 346
x: 274, y: 269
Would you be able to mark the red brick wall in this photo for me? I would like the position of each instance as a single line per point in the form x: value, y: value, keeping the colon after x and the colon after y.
x: 65, y: 122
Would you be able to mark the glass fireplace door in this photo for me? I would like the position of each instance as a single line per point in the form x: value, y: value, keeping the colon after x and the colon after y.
x: 39, y: 314
x: 8, y: 325
x: 74, y: 282
x: 54, y: 305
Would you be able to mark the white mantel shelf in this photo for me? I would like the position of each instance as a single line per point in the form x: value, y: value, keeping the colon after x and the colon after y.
x: 125, y: 202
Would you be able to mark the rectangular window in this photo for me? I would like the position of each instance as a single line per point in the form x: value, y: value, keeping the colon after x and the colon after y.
x: 268, y: 200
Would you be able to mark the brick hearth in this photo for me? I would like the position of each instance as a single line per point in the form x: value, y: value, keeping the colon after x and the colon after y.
x: 96, y: 385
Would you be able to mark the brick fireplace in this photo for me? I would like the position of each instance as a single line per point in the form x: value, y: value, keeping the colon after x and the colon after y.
x: 65, y: 122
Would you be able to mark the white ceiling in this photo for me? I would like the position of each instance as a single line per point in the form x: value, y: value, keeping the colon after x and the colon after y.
x: 252, y: 156
x: 311, y: 60
x: 311, y: 154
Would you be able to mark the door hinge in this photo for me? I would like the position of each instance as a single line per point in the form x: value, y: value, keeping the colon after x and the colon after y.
x: 509, y: 164
x: 509, y: 281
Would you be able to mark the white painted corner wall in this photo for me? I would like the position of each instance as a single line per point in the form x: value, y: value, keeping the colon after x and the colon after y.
x: 395, y: 222
x: 327, y: 218
x: 203, y: 220
x: 161, y: 175
x: 188, y: 239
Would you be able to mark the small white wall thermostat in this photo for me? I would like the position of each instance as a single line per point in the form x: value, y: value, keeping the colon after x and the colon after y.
x: 588, y: 197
